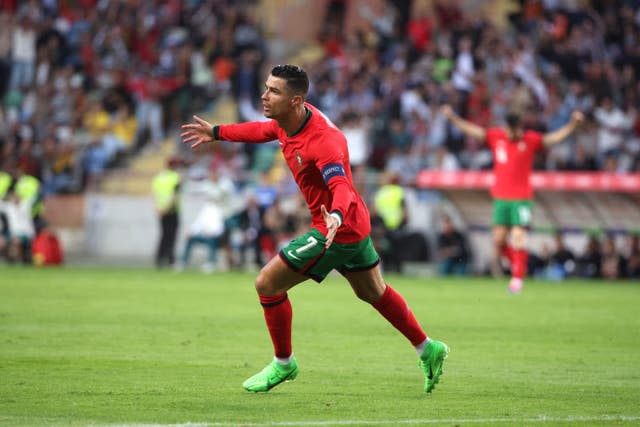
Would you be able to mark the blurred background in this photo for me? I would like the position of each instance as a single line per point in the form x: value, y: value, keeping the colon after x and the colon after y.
x: 93, y: 172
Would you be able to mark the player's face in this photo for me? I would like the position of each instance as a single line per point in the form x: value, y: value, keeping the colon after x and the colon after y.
x: 277, y: 100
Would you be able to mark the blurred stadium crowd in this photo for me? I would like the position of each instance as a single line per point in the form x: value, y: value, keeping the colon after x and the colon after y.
x: 87, y: 84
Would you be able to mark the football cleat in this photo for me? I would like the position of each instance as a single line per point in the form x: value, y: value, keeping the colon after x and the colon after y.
x: 272, y: 375
x: 515, y: 285
x: 431, y: 362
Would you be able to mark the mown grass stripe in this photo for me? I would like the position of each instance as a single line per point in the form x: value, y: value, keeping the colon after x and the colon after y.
x: 539, y: 419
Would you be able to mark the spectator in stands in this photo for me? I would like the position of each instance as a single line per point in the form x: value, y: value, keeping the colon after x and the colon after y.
x: 611, y: 259
x: 6, y: 184
x: 379, y: 118
x: 23, y: 53
x: 355, y: 130
x: 265, y: 191
x: 6, y: 31
x: 632, y: 266
x: 613, y: 124
x: 148, y: 92
x: 398, y: 157
x: 464, y: 70
x: 562, y: 262
x: 27, y: 161
x: 274, y: 225
x: 590, y: 262
x: 122, y: 132
x: 94, y: 163
x: 251, y: 224
x: 581, y: 159
x: 443, y: 160
x: 513, y: 154
x: 453, y: 250
x: 538, y: 263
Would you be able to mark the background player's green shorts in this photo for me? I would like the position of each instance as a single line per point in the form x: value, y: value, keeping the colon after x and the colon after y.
x: 307, y: 255
x: 512, y: 212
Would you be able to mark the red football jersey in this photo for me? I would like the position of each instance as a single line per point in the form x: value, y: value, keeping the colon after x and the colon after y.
x: 513, y: 163
x: 318, y: 158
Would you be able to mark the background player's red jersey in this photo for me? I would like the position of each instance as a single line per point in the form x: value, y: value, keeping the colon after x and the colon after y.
x: 318, y: 157
x: 513, y: 163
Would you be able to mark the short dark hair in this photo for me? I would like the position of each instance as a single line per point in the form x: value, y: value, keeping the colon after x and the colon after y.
x: 296, y: 77
x: 513, y: 119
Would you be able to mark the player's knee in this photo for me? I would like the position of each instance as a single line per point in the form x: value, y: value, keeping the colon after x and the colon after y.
x: 369, y: 294
x: 500, y: 237
x: 263, y: 285
x: 519, y: 238
x: 365, y: 295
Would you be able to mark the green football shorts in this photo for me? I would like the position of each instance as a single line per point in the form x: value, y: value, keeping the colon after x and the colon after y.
x: 512, y: 212
x: 307, y: 255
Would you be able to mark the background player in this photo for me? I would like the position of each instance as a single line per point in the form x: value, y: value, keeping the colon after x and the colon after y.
x: 316, y: 152
x: 513, y: 150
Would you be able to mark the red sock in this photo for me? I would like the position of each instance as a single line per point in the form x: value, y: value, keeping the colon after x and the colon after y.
x: 507, y: 252
x: 519, y: 260
x: 394, y: 308
x: 278, y: 315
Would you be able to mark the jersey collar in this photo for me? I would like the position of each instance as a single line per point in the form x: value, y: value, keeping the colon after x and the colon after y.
x: 304, y: 122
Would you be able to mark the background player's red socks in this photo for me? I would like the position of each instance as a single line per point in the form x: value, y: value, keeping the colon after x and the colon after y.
x: 507, y: 252
x: 394, y: 308
x: 519, y: 259
x: 278, y: 315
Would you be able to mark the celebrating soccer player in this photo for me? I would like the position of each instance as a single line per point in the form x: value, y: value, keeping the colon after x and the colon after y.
x: 513, y: 152
x: 316, y: 152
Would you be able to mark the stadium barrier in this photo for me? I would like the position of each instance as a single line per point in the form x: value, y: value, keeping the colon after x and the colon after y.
x: 556, y: 181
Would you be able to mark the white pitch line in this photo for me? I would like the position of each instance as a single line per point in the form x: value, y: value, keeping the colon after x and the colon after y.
x: 539, y: 419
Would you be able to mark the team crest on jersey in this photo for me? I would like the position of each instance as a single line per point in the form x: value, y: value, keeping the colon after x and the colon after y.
x: 298, y: 157
x: 522, y: 146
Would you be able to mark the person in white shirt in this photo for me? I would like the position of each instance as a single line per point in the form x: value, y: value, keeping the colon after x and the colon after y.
x: 613, y: 125
x: 21, y: 229
x: 23, y: 54
x: 209, y: 227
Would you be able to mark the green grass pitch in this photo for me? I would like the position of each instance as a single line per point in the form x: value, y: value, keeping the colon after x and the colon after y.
x: 105, y: 347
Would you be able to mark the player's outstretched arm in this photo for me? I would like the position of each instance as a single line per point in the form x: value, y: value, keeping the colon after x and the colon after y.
x: 560, y: 134
x: 197, y: 133
x: 465, y: 126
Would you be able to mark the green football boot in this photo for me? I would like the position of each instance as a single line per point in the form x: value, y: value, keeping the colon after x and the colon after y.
x: 272, y: 375
x: 431, y: 362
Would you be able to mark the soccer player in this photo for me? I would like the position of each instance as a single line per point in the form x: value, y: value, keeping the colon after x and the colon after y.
x: 513, y: 150
x: 316, y: 152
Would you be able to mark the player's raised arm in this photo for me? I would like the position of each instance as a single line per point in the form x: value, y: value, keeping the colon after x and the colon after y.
x: 197, y: 133
x: 560, y: 134
x: 465, y: 126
